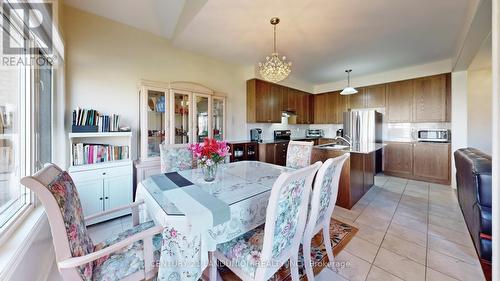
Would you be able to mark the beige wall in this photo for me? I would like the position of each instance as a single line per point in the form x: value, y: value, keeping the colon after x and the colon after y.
x: 479, y: 89
x: 106, y: 59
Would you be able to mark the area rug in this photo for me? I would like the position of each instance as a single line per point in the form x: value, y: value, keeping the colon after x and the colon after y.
x: 340, y: 234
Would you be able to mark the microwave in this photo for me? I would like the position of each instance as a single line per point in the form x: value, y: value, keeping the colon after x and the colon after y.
x: 434, y: 135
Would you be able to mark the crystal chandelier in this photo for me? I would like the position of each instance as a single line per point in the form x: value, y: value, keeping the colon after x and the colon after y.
x: 275, y: 69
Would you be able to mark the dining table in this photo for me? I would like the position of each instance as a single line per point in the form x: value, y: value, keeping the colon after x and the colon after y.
x: 197, y: 215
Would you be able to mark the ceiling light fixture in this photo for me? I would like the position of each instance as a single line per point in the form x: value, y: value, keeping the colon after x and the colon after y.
x: 275, y: 69
x: 348, y: 90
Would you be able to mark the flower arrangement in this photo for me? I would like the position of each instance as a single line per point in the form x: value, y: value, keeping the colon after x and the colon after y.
x: 208, y: 154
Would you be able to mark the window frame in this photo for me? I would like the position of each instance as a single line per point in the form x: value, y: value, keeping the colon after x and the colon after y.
x: 28, y: 120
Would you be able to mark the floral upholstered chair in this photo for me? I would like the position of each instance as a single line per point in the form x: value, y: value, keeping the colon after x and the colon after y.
x: 175, y: 157
x: 130, y: 255
x: 259, y: 254
x: 299, y: 154
x: 326, y: 187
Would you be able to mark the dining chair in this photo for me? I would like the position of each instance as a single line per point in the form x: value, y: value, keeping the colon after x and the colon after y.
x: 259, y: 254
x: 324, y: 196
x: 175, y: 157
x: 298, y: 154
x: 130, y: 255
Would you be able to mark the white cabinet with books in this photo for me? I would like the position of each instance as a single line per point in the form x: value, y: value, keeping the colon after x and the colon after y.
x: 101, y: 168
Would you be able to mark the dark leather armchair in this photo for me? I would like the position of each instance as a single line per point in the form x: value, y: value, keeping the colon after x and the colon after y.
x: 474, y: 196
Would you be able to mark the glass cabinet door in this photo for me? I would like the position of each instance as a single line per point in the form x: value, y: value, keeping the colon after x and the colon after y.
x: 218, y: 126
x: 181, y: 118
x: 201, y: 111
x: 156, y: 121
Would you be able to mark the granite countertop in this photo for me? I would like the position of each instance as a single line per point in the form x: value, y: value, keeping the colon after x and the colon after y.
x: 362, y: 149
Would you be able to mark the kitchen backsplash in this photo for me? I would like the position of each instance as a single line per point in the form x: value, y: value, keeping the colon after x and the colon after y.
x: 298, y: 131
x: 390, y: 131
x: 408, y: 131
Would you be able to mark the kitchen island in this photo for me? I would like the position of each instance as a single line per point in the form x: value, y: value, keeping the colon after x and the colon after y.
x: 357, y: 174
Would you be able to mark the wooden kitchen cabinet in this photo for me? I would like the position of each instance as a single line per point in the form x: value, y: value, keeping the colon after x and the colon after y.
x: 263, y: 102
x: 266, y: 101
x: 320, y: 108
x: 432, y: 161
x: 375, y: 96
x: 341, y: 106
x: 273, y: 153
x: 399, y: 103
x: 357, y: 101
x: 429, y: 99
x: 398, y: 158
x: 329, y: 107
x: 418, y: 161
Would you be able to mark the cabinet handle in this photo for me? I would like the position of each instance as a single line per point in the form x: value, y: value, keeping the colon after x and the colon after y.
x: 106, y: 197
x: 104, y: 173
x: 100, y: 198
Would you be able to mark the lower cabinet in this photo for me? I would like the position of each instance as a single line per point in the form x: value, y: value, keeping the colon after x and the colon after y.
x: 432, y: 161
x: 102, y: 189
x: 244, y: 151
x: 398, y: 157
x: 419, y: 161
x: 273, y: 153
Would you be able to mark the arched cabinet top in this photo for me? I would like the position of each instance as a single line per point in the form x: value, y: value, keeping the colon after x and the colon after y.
x: 182, y: 85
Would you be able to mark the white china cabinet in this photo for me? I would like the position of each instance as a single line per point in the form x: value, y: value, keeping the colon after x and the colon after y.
x: 175, y: 113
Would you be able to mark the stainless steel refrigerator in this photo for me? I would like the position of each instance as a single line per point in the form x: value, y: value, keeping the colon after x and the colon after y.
x: 363, y: 127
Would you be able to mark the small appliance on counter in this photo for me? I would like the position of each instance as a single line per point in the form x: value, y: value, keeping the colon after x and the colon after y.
x: 340, y: 133
x: 282, y: 134
x: 434, y: 135
x: 314, y: 133
x: 256, y: 135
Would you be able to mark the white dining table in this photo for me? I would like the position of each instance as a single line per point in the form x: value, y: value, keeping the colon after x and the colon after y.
x: 242, y: 190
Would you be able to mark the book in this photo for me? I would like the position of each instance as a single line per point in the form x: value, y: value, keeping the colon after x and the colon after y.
x: 91, y: 117
x: 84, y: 154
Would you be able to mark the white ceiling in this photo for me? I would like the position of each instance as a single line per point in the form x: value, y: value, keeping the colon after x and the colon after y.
x: 320, y: 37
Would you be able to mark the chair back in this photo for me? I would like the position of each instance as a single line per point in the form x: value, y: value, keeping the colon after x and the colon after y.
x: 285, y: 218
x: 175, y: 157
x: 57, y: 192
x: 298, y: 154
x: 324, y: 195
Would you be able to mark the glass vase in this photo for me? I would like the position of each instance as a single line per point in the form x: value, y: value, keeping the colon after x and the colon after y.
x: 209, y: 172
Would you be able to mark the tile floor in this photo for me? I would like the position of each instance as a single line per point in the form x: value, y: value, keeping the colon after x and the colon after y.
x: 408, y: 230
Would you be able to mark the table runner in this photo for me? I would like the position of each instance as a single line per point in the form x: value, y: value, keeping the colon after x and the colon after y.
x: 243, y: 186
x: 202, y: 208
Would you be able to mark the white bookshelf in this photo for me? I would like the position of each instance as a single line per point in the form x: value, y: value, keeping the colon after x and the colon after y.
x: 111, y: 138
x: 104, y: 185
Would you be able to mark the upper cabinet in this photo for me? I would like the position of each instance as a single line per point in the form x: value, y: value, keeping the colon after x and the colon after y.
x: 375, y: 96
x: 426, y: 99
x: 368, y: 97
x: 178, y: 113
x: 429, y: 99
x: 267, y: 101
x: 357, y: 100
x: 399, y: 104
x: 329, y: 107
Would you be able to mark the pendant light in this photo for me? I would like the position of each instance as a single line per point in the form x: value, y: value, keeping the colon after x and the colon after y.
x: 275, y: 69
x: 348, y: 90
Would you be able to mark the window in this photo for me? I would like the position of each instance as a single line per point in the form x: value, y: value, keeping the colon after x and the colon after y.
x: 26, y: 94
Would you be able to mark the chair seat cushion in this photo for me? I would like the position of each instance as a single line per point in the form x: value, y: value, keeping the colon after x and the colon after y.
x: 244, y: 251
x: 125, y: 261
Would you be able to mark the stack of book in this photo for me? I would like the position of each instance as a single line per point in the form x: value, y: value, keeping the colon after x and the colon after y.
x: 84, y: 154
x: 91, y: 117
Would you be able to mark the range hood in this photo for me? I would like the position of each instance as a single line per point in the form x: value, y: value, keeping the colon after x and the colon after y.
x: 288, y: 113
x: 289, y: 116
